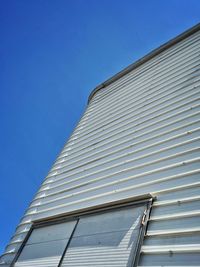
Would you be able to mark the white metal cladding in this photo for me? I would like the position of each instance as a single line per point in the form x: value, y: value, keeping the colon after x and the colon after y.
x: 138, y: 135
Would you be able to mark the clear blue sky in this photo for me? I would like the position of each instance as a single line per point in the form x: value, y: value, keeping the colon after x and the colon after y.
x: 53, y: 53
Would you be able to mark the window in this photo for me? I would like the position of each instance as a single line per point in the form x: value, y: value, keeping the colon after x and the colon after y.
x: 106, y: 238
x: 46, y: 245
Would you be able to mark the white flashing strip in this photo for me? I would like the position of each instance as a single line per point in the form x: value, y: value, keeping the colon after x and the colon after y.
x: 178, y: 231
x: 171, y: 249
x: 175, y: 201
x: 176, y: 216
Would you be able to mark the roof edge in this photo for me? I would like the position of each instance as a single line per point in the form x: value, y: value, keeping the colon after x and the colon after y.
x: 144, y: 59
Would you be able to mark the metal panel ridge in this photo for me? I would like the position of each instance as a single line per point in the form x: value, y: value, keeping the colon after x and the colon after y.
x: 144, y: 59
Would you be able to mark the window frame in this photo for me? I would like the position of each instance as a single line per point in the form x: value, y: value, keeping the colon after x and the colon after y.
x: 147, y: 199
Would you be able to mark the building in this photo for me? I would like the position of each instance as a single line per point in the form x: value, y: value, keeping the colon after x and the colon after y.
x: 124, y: 190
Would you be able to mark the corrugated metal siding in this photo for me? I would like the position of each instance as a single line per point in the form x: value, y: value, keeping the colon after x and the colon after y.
x: 138, y: 135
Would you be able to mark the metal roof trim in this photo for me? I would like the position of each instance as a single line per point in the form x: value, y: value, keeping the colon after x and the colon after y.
x: 144, y: 59
x: 134, y: 200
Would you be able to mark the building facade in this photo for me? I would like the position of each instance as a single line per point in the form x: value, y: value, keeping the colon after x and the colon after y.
x: 124, y: 190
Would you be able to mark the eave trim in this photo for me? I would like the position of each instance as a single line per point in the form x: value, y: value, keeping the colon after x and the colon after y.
x: 144, y: 59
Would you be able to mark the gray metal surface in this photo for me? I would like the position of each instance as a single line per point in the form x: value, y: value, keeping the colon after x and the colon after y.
x: 140, y: 134
x: 106, y: 239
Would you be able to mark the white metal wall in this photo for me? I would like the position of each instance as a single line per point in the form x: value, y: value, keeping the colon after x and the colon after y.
x: 140, y: 134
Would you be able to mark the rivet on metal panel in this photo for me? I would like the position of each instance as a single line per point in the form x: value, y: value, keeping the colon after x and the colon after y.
x: 179, y: 202
x: 170, y: 253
